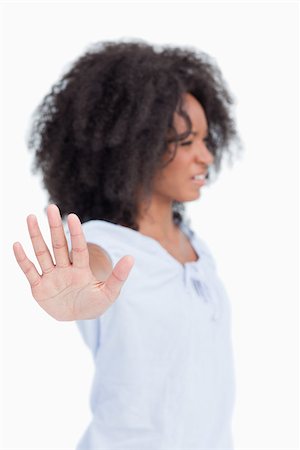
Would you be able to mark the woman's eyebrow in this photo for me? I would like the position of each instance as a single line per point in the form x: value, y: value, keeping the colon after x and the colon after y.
x: 196, y: 132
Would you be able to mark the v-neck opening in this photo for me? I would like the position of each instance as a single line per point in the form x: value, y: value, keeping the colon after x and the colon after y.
x: 187, y: 232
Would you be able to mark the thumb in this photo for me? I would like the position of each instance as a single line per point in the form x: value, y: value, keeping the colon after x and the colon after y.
x: 118, y: 276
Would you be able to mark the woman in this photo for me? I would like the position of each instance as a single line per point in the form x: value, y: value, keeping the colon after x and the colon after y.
x: 128, y: 135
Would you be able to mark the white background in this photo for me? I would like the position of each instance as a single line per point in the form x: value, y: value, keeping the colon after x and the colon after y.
x: 248, y: 218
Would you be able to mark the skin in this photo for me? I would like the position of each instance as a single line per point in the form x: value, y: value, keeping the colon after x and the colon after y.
x: 70, y: 287
x: 83, y: 284
x: 173, y: 183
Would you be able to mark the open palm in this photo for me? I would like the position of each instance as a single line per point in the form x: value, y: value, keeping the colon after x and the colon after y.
x: 68, y: 290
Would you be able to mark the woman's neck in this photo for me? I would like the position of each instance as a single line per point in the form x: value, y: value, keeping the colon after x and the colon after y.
x: 156, y: 221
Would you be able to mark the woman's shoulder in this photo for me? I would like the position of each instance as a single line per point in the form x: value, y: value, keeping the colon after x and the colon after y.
x: 97, y: 224
x: 111, y: 232
x: 100, y: 228
x: 117, y: 240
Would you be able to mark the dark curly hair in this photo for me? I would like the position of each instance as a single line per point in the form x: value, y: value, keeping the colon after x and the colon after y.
x: 100, y: 133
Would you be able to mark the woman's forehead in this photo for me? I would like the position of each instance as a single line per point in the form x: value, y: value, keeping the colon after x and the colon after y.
x: 195, y: 112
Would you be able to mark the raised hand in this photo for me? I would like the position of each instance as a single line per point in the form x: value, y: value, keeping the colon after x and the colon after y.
x: 68, y: 290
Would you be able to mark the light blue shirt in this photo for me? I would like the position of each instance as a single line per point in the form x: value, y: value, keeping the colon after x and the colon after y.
x: 164, y: 368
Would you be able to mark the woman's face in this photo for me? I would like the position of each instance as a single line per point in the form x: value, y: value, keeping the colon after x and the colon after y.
x: 175, y: 181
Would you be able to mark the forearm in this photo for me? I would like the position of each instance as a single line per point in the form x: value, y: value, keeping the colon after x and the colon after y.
x: 100, y: 262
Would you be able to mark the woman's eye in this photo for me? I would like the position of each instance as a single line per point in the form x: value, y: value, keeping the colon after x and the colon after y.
x: 186, y: 143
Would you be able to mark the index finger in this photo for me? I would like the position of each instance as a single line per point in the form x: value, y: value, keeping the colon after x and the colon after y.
x: 80, y: 253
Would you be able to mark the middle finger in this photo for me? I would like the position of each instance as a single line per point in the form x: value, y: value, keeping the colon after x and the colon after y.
x: 59, y: 241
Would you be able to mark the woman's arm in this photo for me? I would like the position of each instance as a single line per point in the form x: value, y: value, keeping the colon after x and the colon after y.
x: 100, y: 261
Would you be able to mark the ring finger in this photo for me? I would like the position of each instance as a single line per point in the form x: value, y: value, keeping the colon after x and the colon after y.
x: 39, y: 246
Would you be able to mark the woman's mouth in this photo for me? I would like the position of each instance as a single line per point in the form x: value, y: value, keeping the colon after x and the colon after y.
x: 199, y: 180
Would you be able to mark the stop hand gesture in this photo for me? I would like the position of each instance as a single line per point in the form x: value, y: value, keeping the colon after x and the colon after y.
x: 68, y: 290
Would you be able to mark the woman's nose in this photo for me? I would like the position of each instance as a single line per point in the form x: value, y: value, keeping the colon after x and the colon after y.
x: 204, y: 155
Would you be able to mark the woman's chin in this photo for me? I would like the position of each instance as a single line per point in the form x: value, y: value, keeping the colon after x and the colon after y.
x: 189, y: 197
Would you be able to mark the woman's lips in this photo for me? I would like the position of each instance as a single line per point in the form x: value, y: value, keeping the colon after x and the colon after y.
x: 198, y: 182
